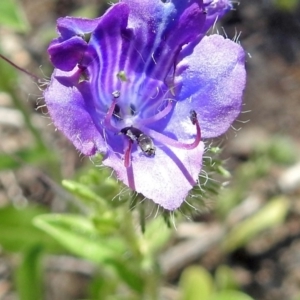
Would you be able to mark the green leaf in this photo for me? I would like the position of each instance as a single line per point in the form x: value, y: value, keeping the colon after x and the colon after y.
x: 225, y: 279
x: 78, y: 235
x: 196, y: 283
x: 272, y: 214
x: 129, y: 274
x: 106, y: 224
x: 230, y: 295
x: 84, y: 193
x: 103, y: 286
x: 156, y: 235
x: 282, y: 150
x: 12, y: 15
x: 30, y: 156
x: 17, y: 231
x: 29, y: 280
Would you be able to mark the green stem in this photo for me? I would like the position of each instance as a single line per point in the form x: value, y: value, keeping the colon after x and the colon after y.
x: 148, y: 267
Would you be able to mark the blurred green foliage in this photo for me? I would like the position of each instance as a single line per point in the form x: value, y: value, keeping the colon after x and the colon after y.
x: 197, y: 283
x: 288, y: 5
x: 269, y: 216
x: 18, y: 233
x: 12, y: 16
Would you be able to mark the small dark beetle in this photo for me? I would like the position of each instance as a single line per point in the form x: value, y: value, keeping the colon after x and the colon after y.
x: 144, y: 141
x: 146, y: 144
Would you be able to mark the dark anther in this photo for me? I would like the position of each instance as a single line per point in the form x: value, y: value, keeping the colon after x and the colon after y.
x: 132, y: 109
x: 117, y: 111
x: 193, y: 117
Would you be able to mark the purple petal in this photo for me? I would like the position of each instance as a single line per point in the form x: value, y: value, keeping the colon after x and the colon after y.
x: 215, y: 9
x: 69, y: 26
x: 110, y: 44
x: 69, y: 113
x: 212, y: 81
x: 70, y: 47
x: 165, y: 178
x: 66, y: 55
x: 160, y: 31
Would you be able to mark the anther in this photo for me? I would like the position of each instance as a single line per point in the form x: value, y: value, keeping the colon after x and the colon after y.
x: 132, y: 109
x: 193, y: 117
x: 117, y: 112
x: 116, y: 94
x: 107, y: 119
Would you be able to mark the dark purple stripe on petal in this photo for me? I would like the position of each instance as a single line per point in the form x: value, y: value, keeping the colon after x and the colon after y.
x: 110, y: 42
x: 160, y: 30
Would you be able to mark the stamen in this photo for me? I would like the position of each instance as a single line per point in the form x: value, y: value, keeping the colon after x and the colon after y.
x: 159, y: 115
x: 108, y: 116
x: 127, y: 156
x: 163, y: 139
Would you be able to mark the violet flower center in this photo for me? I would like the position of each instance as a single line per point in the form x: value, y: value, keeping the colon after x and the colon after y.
x: 130, y: 121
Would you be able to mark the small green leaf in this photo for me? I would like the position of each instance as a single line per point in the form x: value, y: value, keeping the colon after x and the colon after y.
x: 83, y: 192
x: 17, y: 231
x: 156, y: 235
x: 129, y: 274
x: 272, y: 214
x: 225, y: 279
x: 196, y: 283
x: 12, y: 15
x: 282, y: 150
x: 78, y: 235
x: 106, y: 224
x: 30, y: 156
x: 29, y: 280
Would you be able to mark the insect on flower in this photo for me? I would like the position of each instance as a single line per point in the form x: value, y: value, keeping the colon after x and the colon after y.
x: 146, y: 88
x: 144, y: 141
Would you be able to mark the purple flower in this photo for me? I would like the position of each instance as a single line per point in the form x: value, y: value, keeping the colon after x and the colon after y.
x: 138, y: 84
